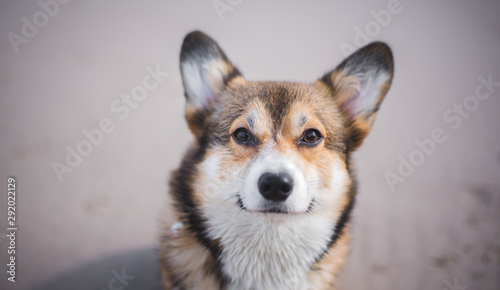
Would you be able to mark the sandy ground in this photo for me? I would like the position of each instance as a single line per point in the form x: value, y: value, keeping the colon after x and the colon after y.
x: 436, y: 227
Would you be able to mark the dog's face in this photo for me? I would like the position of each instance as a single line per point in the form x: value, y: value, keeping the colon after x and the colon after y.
x: 276, y: 148
x: 281, y: 144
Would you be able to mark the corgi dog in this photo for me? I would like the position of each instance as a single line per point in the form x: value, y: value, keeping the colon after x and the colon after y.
x: 262, y: 198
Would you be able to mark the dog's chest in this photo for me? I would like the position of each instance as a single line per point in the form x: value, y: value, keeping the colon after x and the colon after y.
x: 262, y: 253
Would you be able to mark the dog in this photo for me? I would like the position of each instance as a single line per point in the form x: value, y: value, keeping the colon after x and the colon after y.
x: 262, y: 198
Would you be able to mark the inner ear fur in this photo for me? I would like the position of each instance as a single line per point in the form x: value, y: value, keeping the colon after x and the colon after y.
x: 206, y: 73
x: 359, y: 85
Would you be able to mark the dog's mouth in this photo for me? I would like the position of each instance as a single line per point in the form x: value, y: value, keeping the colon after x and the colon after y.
x: 273, y: 209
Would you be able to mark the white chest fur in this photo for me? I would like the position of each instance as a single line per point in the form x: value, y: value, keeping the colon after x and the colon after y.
x: 269, y: 252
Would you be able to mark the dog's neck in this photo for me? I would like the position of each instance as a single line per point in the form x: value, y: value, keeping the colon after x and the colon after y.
x: 270, y: 251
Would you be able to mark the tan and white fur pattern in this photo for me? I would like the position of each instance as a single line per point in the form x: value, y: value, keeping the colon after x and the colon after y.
x: 265, y: 192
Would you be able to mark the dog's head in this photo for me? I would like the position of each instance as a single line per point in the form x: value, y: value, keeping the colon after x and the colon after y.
x: 279, y: 147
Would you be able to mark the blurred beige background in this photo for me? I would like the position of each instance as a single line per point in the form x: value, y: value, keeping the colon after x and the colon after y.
x: 436, y: 228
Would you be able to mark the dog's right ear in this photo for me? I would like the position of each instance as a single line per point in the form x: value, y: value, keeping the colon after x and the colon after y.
x: 205, y: 71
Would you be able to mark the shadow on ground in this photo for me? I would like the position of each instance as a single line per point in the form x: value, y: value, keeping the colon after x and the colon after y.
x: 136, y: 270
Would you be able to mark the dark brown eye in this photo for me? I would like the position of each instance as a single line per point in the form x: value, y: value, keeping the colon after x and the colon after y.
x: 311, y: 137
x: 242, y: 135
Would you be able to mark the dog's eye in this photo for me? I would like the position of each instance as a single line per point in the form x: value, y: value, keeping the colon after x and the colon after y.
x: 242, y: 135
x: 311, y: 137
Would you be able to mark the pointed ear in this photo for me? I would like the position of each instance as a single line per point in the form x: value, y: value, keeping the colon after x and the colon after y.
x: 359, y: 84
x: 205, y: 69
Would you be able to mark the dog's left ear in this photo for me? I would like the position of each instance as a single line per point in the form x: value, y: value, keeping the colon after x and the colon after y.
x: 359, y: 84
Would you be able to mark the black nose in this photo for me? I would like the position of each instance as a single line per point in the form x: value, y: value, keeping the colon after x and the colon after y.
x: 275, y: 187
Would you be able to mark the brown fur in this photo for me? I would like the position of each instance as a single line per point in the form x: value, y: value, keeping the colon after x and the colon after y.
x: 277, y: 114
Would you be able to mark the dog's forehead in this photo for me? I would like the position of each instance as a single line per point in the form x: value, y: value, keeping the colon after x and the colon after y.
x: 275, y: 99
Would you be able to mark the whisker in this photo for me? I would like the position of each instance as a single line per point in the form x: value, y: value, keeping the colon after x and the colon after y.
x: 238, y: 216
x: 223, y: 202
x: 240, y: 177
x: 315, y: 182
x: 237, y: 179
